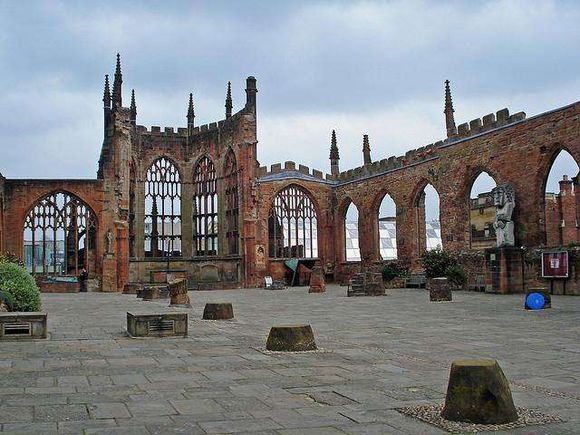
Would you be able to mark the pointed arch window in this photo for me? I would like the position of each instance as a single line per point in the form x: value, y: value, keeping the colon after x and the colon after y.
x: 205, y: 208
x: 60, y: 236
x: 232, y: 207
x: 292, y: 225
x: 162, y: 236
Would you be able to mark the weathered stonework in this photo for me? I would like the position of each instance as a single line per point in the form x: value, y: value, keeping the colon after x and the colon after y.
x: 491, y: 144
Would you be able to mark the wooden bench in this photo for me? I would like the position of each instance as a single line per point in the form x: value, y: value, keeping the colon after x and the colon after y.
x: 18, y: 326
x: 479, y: 285
x: 417, y: 280
x: 157, y: 325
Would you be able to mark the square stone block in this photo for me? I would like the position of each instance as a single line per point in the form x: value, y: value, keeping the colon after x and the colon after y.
x: 157, y: 325
x: 19, y: 326
x: 439, y: 290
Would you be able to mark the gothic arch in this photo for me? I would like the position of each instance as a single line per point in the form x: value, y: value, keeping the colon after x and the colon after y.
x: 348, y: 236
x: 560, y: 234
x: 60, y: 235
x: 231, y: 200
x: 162, y: 220
x: 385, y: 231
x: 205, y: 207
x: 480, y: 214
x: 293, y: 224
x: 425, y: 231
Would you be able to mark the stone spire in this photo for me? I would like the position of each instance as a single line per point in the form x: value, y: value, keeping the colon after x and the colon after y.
x: 107, y: 93
x: 334, y: 157
x: 229, y: 104
x: 133, y: 106
x: 366, y: 150
x: 190, y: 114
x: 449, y: 118
x: 117, y: 84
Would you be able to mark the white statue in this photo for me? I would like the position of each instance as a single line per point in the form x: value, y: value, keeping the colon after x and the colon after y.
x: 109, y: 237
x: 504, y: 201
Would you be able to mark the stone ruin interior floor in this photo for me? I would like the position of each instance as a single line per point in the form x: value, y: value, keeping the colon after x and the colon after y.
x: 380, y: 354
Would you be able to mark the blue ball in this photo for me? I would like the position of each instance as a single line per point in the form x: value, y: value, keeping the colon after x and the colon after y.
x: 535, y: 301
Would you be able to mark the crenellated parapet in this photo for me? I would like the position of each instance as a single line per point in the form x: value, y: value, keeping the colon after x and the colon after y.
x: 476, y: 126
x: 488, y: 122
x: 289, y: 170
x: 392, y: 163
x: 184, y: 131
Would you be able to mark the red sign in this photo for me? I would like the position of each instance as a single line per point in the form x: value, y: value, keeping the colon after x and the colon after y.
x: 555, y: 264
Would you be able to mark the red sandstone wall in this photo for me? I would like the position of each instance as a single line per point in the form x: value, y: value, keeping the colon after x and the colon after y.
x: 21, y: 195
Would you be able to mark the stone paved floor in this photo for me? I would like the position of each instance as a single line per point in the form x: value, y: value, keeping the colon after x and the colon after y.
x: 379, y: 354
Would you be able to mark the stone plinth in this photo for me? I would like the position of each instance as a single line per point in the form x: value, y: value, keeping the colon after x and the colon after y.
x: 478, y: 392
x: 317, y: 281
x: 178, y: 292
x: 157, y: 325
x: 291, y: 338
x: 132, y: 288
x: 218, y: 311
x: 544, y: 292
x: 504, y: 270
x: 439, y: 290
x: 152, y: 292
x: 368, y: 282
x: 18, y: 326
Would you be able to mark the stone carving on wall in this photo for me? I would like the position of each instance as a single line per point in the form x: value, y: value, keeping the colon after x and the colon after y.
x: 504, y: 201
x: 109, y: 240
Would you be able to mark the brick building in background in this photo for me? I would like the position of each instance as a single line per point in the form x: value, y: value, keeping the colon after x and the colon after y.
x: 195, y: 199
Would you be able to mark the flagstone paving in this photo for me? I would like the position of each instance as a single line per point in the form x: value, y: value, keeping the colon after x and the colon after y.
x: 378, y: 354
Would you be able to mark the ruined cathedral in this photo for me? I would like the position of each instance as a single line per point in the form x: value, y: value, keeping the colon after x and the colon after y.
x: 194, y: 202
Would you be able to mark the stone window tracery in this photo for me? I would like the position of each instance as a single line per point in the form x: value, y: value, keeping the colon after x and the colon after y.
x: 60, y: 236
x: 292, y: 225
x: 232, y: 206
x: 205, y: 208
x: 162, y: 236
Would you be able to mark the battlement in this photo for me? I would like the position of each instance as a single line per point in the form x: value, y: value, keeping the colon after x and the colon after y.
x: 411, y: 157
x: 183, y: 131
x: 289, y: 170
x: 476, y: 126
x: 488, y: 122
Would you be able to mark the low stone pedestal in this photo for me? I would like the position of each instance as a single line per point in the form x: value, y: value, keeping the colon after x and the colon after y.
x: 132, y: 288
x: 317, y: 282
x: 439, y: 290
x: 297, y: 338
x: 544, y: 292
x: 478, y: 392
x: 149, y: 293
x: 19, y: 326
x: 218, y: 311
x: 157, y: 325
x: 504, y: 270
x: 368, y: 282
x: 178, y: 293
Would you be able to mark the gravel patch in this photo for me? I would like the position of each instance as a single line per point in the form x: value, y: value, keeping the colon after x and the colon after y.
x: 432, y: 414
x: 276, y: 352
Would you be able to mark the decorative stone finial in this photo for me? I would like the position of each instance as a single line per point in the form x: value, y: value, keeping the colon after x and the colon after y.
x: 190, y: 113
x: 229, y: 104
x: 334, y: 156
x: 366, y: 150
x: 117, y: 84
x: 107, y: 93
x: 449, y: 118
x: 133, y: 106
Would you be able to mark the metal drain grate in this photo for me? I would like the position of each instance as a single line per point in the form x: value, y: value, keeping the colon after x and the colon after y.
x: 162, y: 325
x: 17, y: 328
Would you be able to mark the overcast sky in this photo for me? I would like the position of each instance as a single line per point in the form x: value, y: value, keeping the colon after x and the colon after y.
x: 372, y: 68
